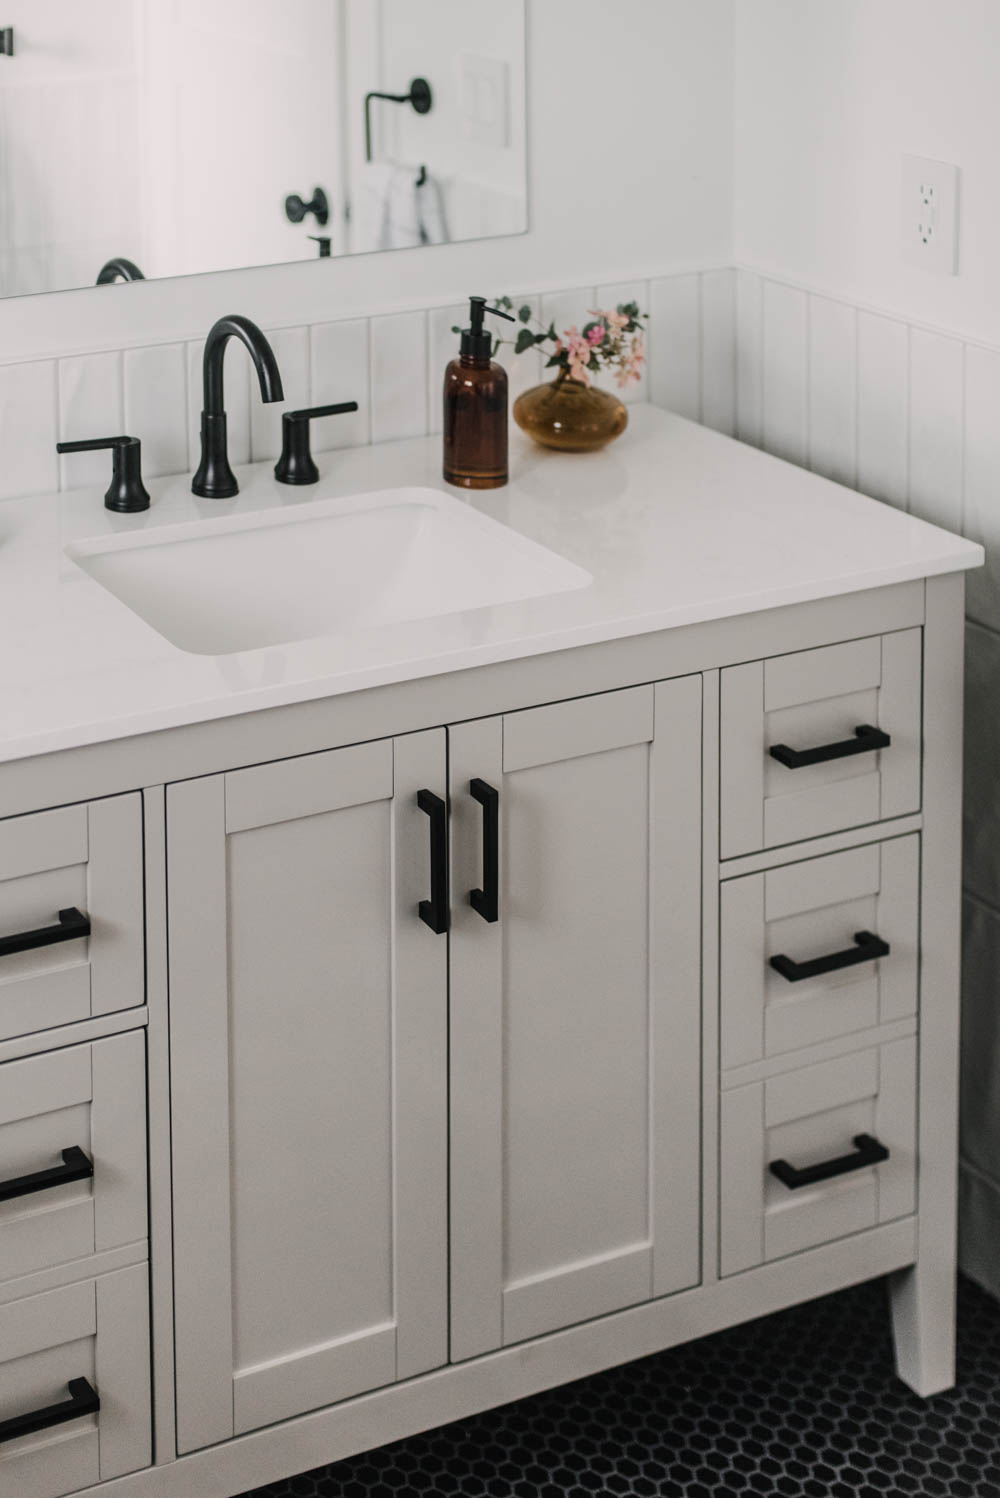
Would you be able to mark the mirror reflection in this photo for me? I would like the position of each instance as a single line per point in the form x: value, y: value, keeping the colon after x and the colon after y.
x: 148, y: 138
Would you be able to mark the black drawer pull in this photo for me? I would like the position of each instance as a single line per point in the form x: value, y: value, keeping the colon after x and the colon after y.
x: 867, y: 1151
x: 865, y: 741
x: 72, y: 924
x: 76, y: 1166
x: 83, y: 1400
x: 486, y: 901
x: 867, y: 948
x: 434, y: 912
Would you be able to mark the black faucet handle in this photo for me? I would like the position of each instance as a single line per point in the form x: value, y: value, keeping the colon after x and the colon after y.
x: 126, y: 493
x: 296, y: 466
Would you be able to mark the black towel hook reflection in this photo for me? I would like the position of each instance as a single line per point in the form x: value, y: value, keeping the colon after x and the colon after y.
x: 419, y: 96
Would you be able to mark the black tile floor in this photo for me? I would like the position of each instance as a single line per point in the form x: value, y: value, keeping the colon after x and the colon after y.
x: 803, y: 1404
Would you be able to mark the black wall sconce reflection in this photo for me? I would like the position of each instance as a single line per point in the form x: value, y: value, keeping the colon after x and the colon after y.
x: 6, y: 41
x: 420, y: 97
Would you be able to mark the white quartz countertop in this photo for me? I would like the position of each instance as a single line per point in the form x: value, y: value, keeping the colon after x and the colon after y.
x: 675, y: 524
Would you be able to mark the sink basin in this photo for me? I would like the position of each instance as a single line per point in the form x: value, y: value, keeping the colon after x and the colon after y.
x: 331, y: 567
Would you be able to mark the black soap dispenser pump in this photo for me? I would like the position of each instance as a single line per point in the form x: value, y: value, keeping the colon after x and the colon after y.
x: 475, y: 407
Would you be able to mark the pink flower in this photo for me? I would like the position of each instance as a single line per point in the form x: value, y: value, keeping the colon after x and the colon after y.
x: 577, y: 347
x: 616, y: 320
x: 577, y: 372
x: 596, y: 334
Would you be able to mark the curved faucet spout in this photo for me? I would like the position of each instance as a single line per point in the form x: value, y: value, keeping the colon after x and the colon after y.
x: 215, y: 478
x: 257, y: 346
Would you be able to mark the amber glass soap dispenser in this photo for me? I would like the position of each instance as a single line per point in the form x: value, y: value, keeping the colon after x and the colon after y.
x: 475, y: 407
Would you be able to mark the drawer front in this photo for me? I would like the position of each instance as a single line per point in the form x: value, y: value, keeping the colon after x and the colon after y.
x: 67, y: 1351
x: 85, y: 859
x: 817, y: 1116
x: 816, y: 700
x: 812, y: 920
x: 72, y: 1154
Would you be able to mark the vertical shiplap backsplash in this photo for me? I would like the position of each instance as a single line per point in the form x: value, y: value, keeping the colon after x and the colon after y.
x: 392, y: 366
x: 910, y: 415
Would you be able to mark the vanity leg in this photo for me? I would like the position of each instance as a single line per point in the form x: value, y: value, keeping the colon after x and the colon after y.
x: 923, y: 1297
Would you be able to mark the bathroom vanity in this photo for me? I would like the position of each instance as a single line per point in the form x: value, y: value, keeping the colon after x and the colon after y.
x: 444, y: 1006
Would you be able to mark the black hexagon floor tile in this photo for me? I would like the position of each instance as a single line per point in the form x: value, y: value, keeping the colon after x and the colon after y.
x: 802, y: 1404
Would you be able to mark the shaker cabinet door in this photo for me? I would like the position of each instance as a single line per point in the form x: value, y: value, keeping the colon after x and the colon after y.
x: 309, y: 1056
x: 575, y: 1011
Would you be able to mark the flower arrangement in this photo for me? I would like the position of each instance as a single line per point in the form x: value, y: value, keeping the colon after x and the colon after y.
x: 613, y: 339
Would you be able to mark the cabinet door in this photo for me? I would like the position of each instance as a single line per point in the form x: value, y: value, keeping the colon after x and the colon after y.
x: 575, y: 1019
x: 309, y: 1053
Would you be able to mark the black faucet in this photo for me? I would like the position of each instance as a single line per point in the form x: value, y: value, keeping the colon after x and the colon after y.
x: 215, y: 479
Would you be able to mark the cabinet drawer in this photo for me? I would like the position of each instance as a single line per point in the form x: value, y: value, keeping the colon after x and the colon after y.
x: 67, y: 1350
x: 63, y: 1115
x: 796, y: 761
x: 813, y: 920
x: 84, y: 859
x: 818, y: 1116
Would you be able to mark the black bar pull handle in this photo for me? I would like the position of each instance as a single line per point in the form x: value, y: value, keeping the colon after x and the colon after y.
x: 83, y: 1400
x: 867, y: 1151
x: 865, y: 741
x: 72, y: 925
x: 434, y: 912
x: 76, y: 1166
x: 867, y: 948
x: 486, y: 901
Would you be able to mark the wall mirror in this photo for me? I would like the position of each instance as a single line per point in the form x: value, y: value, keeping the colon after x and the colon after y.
x: 171, y: 137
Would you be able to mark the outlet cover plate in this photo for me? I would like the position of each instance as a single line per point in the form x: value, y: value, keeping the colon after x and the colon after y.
x: 486, y: 101
x: 929, y: 215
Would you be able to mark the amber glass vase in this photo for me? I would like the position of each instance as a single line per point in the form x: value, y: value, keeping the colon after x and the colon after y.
x: 570, y: 416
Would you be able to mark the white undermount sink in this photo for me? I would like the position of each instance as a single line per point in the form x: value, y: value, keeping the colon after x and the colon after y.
x: 331, y: 567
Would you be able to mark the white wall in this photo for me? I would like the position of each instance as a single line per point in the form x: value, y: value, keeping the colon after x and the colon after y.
x: 69, y: 172
x: 629, y: 155
x: 885, y: 376
x: 215, y: 176
x: 829, y: 95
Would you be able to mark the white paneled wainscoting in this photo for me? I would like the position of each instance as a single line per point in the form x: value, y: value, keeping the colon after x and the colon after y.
x: 392, y: 365
x: 910, y: 415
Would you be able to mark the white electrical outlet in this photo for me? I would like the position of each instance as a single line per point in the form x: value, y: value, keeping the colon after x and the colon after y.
x: 486, y: 101
x: 929, y: 214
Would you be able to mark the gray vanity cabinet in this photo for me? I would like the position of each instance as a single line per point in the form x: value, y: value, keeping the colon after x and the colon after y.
x: 308, y: 1042
x: 575, y: 1040
x: 310, y: 1050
